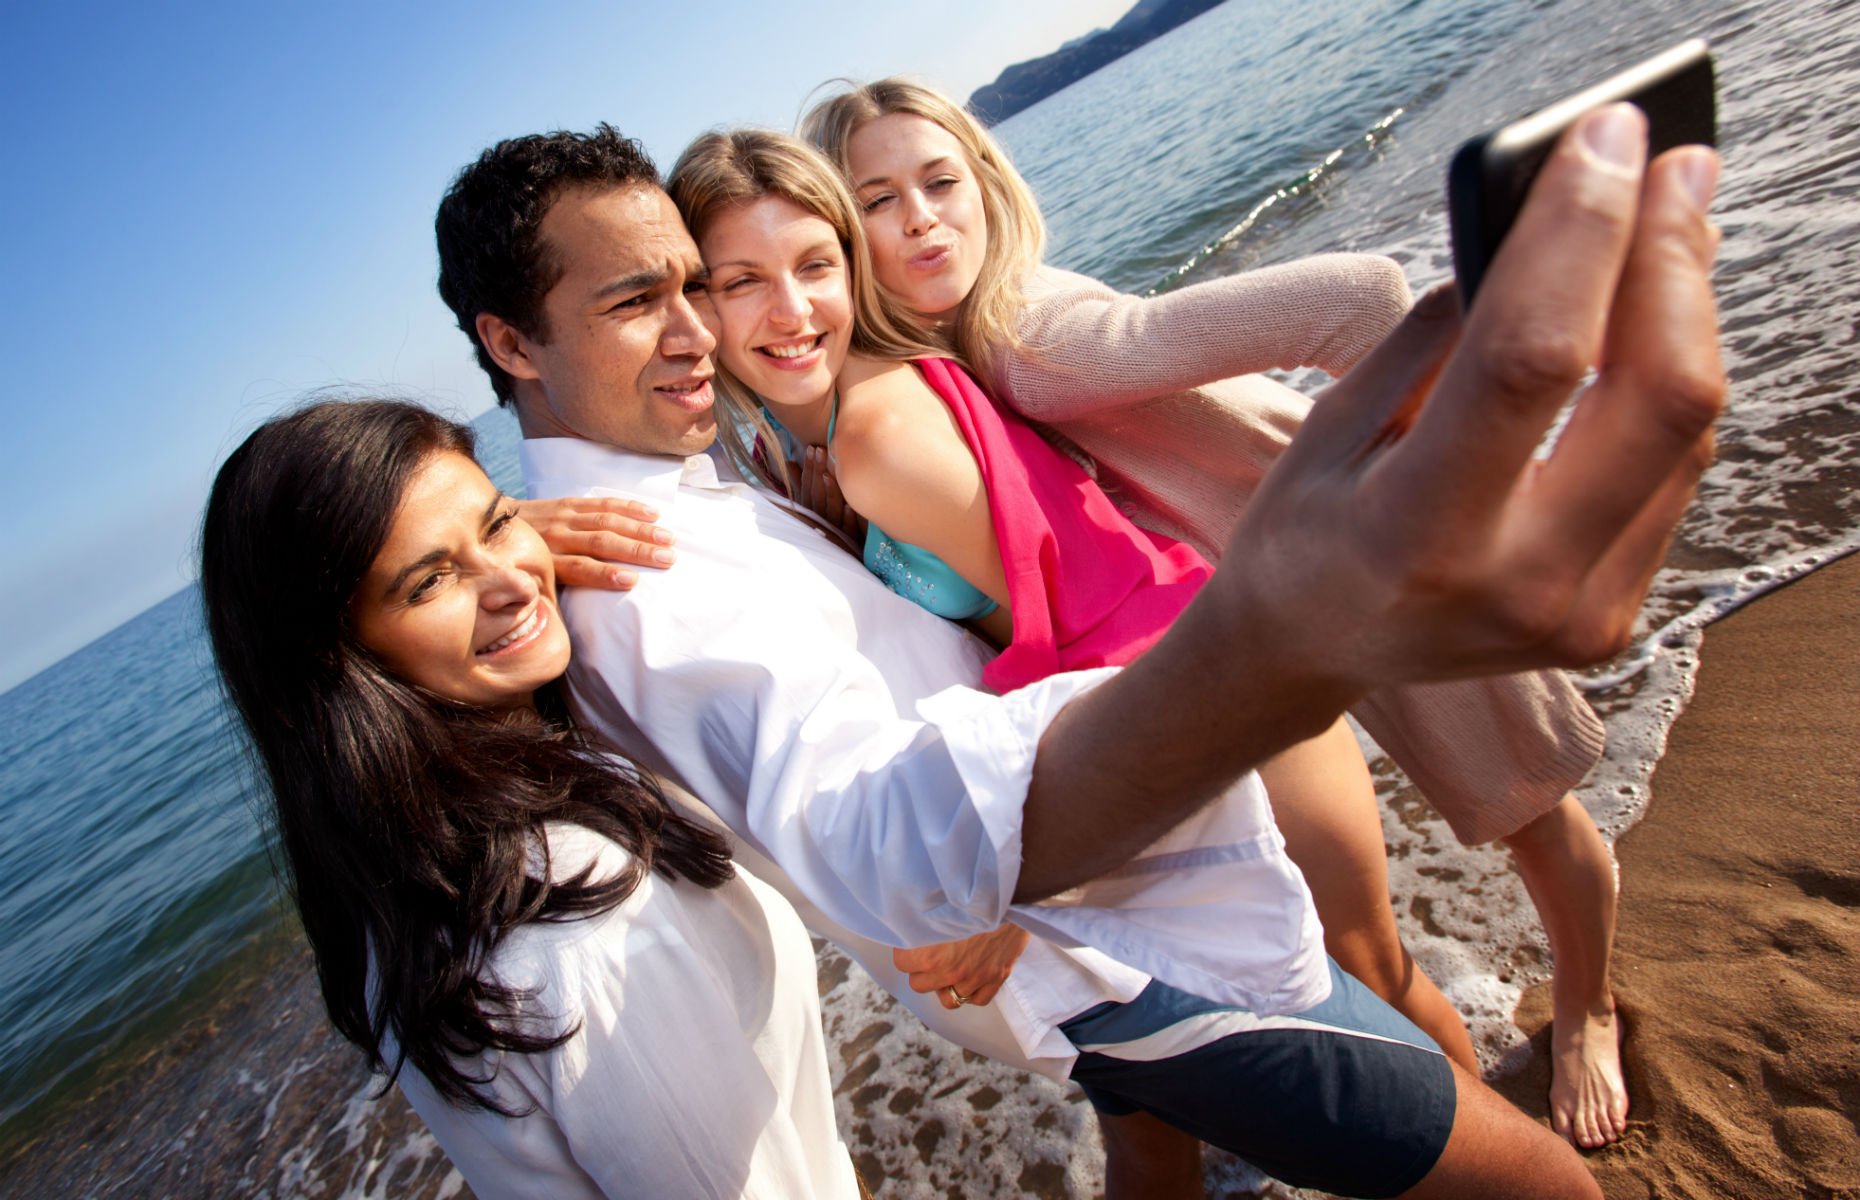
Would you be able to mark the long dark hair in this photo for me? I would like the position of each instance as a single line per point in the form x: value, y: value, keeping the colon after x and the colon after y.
x: 406, y: 822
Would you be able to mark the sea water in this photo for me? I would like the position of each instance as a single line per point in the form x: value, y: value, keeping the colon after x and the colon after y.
x: 146, y: 955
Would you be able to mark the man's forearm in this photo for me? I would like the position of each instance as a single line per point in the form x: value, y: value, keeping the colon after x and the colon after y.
x: 1124, y: 763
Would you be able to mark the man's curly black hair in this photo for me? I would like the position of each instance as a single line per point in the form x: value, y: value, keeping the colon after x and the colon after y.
x: 492, y: 258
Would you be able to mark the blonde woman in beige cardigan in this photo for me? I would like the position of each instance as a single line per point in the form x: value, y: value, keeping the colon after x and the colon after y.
x: 1163, y: 398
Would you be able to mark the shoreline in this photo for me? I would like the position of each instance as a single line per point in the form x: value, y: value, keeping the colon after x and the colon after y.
x: 246, y: 1091
x: 1737, y: 958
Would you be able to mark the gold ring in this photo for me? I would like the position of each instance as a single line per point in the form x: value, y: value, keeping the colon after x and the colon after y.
x: 959, y: 997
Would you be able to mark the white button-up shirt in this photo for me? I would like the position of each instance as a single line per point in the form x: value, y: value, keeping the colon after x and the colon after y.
x: 696, y: 1065
x: 837, y: 730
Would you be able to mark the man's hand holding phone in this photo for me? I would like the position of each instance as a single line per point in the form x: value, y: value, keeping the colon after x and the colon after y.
x: 1491, y: 558
x: 1409, y: 533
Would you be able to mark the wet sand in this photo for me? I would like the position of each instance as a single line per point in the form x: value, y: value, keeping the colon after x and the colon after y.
x: 255, y: 1096
x: 1737, y: 961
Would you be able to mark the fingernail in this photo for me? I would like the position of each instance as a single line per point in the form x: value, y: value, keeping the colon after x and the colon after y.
x: 648, y: 512
x: 664, y: 558
x: 1698, y: 175
x: 623, y: 578
x: 1617, y: 135
x: 664, y: 537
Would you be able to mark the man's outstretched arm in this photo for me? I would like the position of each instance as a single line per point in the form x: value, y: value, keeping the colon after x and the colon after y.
x: 1409, y: 533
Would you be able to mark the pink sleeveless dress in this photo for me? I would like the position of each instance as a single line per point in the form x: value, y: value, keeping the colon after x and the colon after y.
x: 1087, y: 587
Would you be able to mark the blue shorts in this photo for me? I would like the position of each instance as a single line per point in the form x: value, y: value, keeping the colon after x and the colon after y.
x: 1347, y: 1097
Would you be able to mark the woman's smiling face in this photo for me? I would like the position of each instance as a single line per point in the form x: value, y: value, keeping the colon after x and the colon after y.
x: 778, y: 283
x: 460, y: 600
x: 922, y: 208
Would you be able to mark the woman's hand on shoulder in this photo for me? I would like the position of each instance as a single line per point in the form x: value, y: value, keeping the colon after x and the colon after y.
x: 591, y: 538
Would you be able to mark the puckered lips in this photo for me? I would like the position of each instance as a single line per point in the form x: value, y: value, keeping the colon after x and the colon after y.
x: 931, y: 258
x: 519, y: 635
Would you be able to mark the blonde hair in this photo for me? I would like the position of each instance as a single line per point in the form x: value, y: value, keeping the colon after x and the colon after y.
x: 985, y: 322
x: 723, y: 171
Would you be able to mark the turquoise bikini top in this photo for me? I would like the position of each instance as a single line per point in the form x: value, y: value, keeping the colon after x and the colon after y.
x: 923, y: 578
x: 911, y: 571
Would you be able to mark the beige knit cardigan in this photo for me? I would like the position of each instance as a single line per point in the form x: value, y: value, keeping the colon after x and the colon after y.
x: 1162, y: 393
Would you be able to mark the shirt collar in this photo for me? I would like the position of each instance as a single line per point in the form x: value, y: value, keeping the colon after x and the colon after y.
x: 554, y: 467
x: 557, y: 467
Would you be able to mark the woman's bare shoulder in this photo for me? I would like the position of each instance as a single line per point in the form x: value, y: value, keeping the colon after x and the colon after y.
x: 879, y: 398
x: 888, y: 417
x: 861, y: 372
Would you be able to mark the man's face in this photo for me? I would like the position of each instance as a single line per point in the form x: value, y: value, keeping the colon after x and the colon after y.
x: 627, y: 362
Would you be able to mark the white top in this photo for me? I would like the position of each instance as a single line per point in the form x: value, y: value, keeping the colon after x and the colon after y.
x: 835, y: 728
x: 698, y: 1069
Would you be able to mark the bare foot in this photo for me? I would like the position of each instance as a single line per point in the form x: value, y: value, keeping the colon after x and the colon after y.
x: 1588, y: 1099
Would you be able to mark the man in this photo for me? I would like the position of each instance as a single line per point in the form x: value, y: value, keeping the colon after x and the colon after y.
x: 1406, y: 535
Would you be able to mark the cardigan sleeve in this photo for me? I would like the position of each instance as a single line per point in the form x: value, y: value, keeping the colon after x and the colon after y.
x: 1085, y: 348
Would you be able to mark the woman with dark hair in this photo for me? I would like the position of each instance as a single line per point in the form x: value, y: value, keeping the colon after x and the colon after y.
x: 557, y: 967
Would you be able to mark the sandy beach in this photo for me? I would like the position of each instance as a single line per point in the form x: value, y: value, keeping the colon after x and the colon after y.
x: 1737, y: 960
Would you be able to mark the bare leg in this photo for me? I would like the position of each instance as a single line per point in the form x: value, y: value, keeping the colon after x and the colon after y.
x: 1497, y: 1151
x: 1325, y: 804
x: 1149, y: 1159
x: 1571, y: 878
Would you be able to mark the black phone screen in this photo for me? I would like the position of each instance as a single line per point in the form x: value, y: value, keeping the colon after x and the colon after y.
x: 1491, y: 174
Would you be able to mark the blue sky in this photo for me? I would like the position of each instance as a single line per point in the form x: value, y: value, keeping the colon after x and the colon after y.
x: 212, y: 209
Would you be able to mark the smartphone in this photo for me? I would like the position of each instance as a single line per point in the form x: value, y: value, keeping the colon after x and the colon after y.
x: 1491, y: 174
